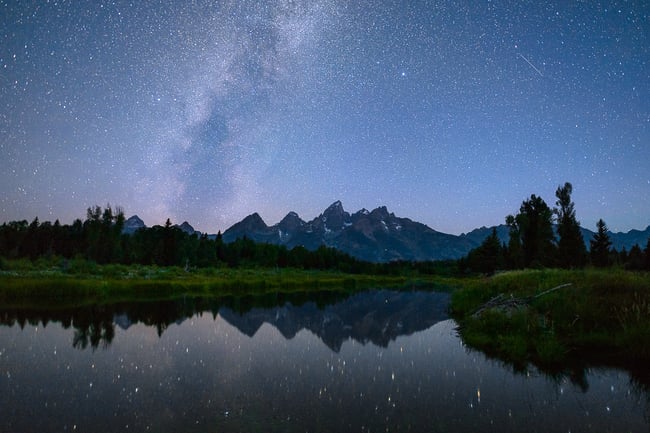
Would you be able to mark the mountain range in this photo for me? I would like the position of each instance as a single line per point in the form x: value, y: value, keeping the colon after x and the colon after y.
x: 375, y: 236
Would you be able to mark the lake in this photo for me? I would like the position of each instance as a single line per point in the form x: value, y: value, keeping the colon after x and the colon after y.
x: 388, y: 361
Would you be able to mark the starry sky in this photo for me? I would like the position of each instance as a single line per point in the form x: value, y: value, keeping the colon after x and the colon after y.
x: 449, y: 113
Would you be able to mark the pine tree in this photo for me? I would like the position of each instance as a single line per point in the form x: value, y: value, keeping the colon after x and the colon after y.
x: 169, y: 244
x: 220, y: 249
x: 488, y: 257
x: 533, y: 225
x: 513, y: 254
x: 636, y: 259
x: 572, y: 252
x: 600, y: 246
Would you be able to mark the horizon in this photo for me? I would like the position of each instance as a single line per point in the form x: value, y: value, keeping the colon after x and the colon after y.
x: 128, y: 215
x: 448, y: 114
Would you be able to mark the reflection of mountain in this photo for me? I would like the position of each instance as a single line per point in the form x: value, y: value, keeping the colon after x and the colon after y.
x: 375, y: 316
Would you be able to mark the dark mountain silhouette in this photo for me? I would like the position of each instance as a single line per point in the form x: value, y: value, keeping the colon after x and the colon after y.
x: 375, y: 236
x: 476, y: 236
x: 132, y: 225
x: 626, y: 240
x: 187, y: 228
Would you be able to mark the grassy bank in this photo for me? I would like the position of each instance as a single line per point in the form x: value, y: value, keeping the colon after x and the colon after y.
x: 603, y: 316
x: 23, y: 283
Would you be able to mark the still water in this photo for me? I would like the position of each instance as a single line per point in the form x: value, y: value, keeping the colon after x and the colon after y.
x: 375, y: 361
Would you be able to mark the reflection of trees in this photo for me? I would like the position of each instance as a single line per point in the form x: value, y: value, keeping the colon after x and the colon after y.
x: 95, y: 325
x: 92, y: 325
x: 576, y: 369
x: 95, y: 333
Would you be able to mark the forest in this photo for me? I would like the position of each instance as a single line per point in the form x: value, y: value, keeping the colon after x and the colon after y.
x: 99, y: 239
x: 533, y: 243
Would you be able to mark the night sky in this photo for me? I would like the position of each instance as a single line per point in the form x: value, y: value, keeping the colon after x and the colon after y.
x: 449, y: 113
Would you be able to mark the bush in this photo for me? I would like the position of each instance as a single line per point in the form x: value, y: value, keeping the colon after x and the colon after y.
x: 81, y: 266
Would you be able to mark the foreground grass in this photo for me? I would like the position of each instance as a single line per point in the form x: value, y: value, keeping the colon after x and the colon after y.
x: 604, y: 316
x: 23, y: 283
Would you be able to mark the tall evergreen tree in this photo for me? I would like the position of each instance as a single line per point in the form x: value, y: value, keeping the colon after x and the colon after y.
x: 513, y: 255
x: 533, y: 224
x: 600, y: 244
x: 572, y: 252
x: 636, y: 259
x: 220, y: 249
x: 169, y: 246
x: 487, y: 257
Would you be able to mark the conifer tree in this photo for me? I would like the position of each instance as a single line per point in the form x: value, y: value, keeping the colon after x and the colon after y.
x: 488, y: 257
x: 636, y: 259
x: 513, y: 254
x: 600, y: 246
x: 533, y: 225
x: 572, y: 252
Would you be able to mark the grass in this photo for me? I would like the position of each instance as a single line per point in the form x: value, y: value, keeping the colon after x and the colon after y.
x: 79, y: 282
x: 603, y: 316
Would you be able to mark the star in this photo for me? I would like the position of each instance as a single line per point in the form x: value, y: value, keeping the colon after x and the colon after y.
x: 207, y: 112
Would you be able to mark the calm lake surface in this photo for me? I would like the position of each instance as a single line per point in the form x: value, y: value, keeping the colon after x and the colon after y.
x: 374, y: 361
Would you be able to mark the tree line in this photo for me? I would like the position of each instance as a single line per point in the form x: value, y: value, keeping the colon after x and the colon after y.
x: 533, y: 243
x: 99, y: 238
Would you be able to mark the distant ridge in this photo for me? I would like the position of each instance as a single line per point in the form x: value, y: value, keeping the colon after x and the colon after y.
x: 134, y: 223
x: 375, y: 236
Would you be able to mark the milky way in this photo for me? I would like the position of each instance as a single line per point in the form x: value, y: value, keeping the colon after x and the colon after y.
x: 449, y: 113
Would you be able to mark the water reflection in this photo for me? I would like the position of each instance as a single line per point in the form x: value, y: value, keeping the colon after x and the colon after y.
x: 377, y: 361
x: 374, y: 316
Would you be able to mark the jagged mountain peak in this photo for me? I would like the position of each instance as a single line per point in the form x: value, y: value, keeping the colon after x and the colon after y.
x: 254, y: 219
x: 334, y: 209
x: 381, y: 213
x: 135, y: 219
x: 335, y: 217
x: 187, y: 228
x: 337, y: 205
x: 133, y: 224
x: 251, y: 223
x: 291, y: 222
x: 253, y: 227
x: 291, y: 216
